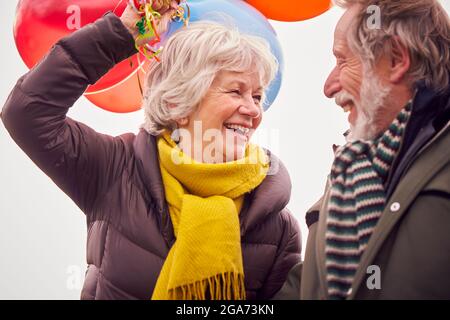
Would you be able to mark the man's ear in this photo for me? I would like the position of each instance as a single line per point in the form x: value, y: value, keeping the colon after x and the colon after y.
x: 400, y: 60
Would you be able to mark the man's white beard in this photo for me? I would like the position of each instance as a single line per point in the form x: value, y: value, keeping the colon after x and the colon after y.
x: 373, y: 98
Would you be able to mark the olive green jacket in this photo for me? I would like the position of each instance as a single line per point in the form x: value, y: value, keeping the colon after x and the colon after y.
x: 408, y: 255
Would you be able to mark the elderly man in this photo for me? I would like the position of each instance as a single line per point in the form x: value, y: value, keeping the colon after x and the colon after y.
x: 382, y: 228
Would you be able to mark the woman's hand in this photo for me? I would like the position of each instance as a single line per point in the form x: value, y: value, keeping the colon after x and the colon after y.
x: 165, y: 7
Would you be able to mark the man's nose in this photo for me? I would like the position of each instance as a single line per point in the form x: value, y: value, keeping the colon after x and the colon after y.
x: 332, y: 85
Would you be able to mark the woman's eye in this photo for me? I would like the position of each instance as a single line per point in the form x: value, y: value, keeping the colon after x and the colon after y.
x: 257, y: 98
x: 235, y: 91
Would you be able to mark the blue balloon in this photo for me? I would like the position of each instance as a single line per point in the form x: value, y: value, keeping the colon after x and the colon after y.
x: 247, y: 19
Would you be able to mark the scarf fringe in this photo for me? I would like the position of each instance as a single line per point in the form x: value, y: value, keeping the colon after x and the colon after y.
x: 226, y: 286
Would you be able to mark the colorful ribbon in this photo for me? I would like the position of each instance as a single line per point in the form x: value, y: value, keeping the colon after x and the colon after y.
x: 147, y: 25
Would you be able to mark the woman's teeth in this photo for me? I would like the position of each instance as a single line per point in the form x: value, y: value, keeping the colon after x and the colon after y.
x: 237, y: 128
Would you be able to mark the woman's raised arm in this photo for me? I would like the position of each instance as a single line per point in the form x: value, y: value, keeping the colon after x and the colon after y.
x: 79, y: 160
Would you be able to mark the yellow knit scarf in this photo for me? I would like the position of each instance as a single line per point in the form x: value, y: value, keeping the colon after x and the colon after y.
x: 204, y: 201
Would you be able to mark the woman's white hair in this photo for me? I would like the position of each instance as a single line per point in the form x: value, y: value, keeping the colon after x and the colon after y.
x: 422, y: 26
x: 189, y: 63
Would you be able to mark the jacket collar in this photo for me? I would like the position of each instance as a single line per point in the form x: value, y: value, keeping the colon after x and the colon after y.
x: 430, y: 113
x: 148, y: 166
x: 147, y: 163
x: 270, y: 197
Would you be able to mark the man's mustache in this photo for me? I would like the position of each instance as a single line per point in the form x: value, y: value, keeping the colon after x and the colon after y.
x: 343, y: 98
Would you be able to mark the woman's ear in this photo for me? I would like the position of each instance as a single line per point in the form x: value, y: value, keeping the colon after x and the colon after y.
x: 400, y: 61
x: 182, y: 122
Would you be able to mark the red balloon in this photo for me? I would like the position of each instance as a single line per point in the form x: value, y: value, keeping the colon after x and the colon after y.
x: 40, y: 24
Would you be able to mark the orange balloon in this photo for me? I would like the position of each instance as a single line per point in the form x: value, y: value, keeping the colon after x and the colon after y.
x: 291, y: 10
x: 123, y: 97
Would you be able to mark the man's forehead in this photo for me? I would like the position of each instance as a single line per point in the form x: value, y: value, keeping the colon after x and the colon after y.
x: 342, y: 28
x: 346, y: 20
x: 340, y: 46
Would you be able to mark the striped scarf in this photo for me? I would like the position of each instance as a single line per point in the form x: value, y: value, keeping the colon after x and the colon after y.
x: 357, y: 199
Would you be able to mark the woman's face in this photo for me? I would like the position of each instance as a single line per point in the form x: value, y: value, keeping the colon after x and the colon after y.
x: 225, y: 119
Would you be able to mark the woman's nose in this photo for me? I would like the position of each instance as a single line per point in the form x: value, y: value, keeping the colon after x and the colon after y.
x: 332, y: 85
x: 250, y: 108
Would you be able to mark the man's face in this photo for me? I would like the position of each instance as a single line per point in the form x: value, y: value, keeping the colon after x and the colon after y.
x: 355, y: 87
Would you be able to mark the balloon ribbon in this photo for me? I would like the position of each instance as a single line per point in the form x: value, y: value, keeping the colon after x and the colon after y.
x: 147, y: 25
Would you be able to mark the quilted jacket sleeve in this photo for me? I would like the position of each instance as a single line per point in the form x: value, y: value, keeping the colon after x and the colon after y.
x: 79, y: 160
x: 288, y: 255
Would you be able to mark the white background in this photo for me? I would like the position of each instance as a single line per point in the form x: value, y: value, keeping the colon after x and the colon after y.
x: 43, y: 233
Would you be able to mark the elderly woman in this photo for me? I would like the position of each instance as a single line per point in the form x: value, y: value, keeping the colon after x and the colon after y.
x: 169, y: 215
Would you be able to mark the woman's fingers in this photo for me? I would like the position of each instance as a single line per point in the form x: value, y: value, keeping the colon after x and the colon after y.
x: 165, y: 20
x: 166, y: 8
x: 162, y: 6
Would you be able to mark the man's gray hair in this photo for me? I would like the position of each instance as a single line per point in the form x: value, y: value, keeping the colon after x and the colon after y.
x: 190, y: 60
x: 423, y: 26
